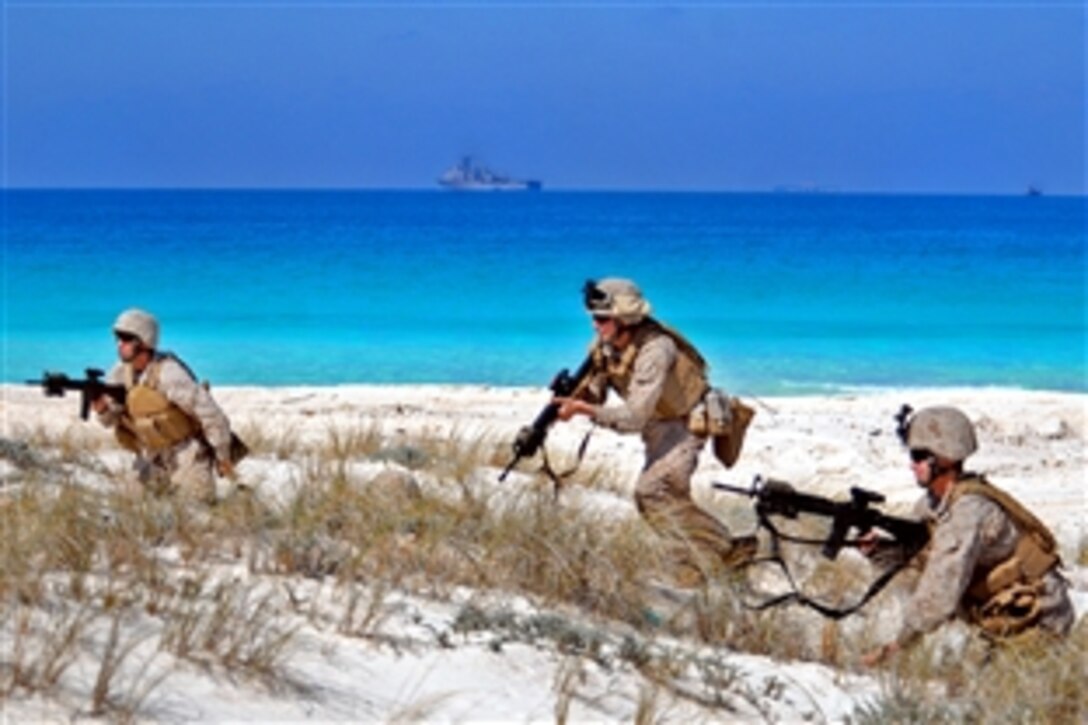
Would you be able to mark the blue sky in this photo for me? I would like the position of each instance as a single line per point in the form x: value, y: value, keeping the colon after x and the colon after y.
x: 855, y: 96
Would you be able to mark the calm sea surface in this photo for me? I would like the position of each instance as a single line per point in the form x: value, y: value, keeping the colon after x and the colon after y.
x: 783, y: 293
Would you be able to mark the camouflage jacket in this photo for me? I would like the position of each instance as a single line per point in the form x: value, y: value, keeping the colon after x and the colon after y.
x: 970, y: 533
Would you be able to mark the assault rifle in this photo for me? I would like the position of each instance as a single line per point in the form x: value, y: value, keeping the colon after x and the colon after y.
x: 92, y: 387
x: 778, y: 498
x: 531, y: 437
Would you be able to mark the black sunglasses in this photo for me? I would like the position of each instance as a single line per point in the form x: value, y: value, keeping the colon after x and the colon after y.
x: 126, y: 336
x: 920, y: 454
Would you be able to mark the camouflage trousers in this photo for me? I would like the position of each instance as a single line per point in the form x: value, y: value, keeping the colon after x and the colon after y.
x: 187, y: 470
x: 699, y: 546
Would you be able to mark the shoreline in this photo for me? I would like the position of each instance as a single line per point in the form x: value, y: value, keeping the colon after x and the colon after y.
x: 783, y: 389
x: 1032, y: 443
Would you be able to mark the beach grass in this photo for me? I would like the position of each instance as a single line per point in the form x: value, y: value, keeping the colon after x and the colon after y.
x: 98, y: 573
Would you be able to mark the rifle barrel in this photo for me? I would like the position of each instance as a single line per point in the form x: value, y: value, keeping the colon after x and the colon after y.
x: 734, y: 489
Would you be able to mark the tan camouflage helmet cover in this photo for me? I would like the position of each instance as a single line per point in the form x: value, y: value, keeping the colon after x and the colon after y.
x: 139, y: 323
x: 945, y: 431
x: 618, y: 298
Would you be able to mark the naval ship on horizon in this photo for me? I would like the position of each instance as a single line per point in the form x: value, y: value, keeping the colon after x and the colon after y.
x: 469, y: 175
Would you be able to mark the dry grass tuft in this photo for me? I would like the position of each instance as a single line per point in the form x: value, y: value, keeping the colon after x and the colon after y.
x: 1034, y: 678
x: 374, y: 516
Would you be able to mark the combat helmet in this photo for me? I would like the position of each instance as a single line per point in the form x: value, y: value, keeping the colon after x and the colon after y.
x: 618, y: 298
x: 139, y: 323
x: 944, y: 430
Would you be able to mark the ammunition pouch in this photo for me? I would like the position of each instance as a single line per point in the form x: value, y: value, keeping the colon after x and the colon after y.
x: 711, y: 416
x: 153, y: 421
x: 1028, y: 564
x: 724, y: 419
x: 1010, y: 611
x: 126, y: 438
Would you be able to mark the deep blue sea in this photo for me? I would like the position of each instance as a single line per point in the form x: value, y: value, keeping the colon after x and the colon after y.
x: 784, y: 293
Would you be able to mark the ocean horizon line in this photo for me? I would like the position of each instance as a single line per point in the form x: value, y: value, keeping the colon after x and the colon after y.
x: 552, y: 191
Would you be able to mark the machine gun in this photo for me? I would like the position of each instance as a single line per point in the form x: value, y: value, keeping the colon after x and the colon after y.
x: 56, y: 384
x: 778, y: 498
x: 531, y: 437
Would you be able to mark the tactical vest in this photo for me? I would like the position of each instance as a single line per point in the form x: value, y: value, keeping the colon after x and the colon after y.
x: 150, y: 421
x: 685, y: 384
x: 1003, y: 599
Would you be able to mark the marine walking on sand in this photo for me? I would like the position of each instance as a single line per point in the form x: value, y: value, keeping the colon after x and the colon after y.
x: 989, y: 560
x: 180, y: 435
x: 667, y: 399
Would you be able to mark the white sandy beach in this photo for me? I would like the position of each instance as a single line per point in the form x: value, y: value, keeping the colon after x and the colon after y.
x: 1032, y: 444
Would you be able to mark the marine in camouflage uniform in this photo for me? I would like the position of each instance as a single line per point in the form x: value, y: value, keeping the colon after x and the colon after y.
x: 180, y: 435
x: 989, y: 560
x: 660, y: 378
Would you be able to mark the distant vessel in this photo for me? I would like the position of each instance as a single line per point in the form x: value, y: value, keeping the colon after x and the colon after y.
x: 469, y: 175
x: 1034, y: 191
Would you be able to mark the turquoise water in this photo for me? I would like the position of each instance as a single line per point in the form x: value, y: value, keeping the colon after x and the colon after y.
x: 783, y: 293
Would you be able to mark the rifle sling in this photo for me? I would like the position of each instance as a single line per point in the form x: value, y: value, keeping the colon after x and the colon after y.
x: 796, y: 595
x: 557, y: 478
